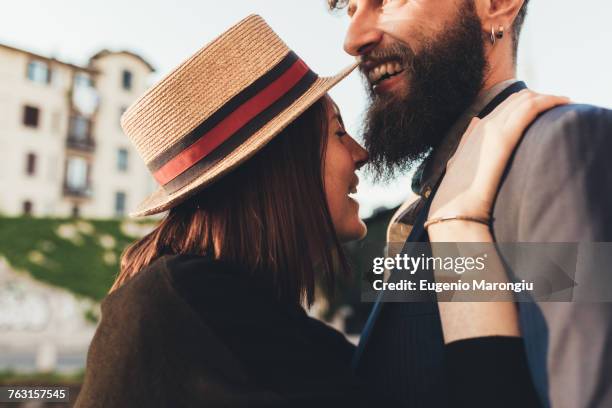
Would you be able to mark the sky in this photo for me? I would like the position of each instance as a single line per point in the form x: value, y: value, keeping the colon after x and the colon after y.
x: 565, y: 47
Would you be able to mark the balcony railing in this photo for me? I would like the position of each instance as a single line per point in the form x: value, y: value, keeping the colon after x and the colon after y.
x: 86, y: 145
x: 79, y: 134
x: 77, y: 192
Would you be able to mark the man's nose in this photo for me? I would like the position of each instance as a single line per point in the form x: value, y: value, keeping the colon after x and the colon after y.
x: 362, y: 35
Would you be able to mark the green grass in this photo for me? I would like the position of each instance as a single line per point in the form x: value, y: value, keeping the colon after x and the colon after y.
x: 9, y: 377
x: 80, y: 264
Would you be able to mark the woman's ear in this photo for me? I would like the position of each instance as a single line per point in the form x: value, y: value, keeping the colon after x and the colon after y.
x: 498, y: 14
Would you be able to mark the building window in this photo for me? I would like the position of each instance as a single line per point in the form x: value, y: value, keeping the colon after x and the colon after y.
x: 76, y: 174
x: 30, y: 116
x: 120, y: 203
x: 85, y: 98
x: 31, y: 164
x: 79, y: 128
x: 39, y: 72
x: 27, y: 207
x: 126, y: 80
x: 82, y: 80
x: 122, y: 159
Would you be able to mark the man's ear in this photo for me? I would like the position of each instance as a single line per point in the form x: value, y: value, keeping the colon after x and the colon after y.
x: 498, y: 13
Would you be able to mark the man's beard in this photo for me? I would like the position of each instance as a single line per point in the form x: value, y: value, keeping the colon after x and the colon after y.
x: 442, y: 81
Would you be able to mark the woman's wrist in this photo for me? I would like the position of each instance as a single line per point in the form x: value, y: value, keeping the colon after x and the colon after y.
x: 459, y: 230
x: 469, y: 218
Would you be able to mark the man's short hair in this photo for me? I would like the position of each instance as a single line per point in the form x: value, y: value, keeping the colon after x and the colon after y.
x: 516, y: 28
x: 518, y: 23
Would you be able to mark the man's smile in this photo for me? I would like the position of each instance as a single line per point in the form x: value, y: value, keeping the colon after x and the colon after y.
x: 383, y: 71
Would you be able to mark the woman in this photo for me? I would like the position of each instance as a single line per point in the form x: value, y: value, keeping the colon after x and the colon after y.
x: 256, y: 171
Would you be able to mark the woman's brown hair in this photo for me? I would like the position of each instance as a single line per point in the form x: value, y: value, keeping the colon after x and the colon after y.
x: 268, y: 217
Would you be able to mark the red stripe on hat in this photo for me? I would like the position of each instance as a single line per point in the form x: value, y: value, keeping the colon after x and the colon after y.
x: 231, y: 124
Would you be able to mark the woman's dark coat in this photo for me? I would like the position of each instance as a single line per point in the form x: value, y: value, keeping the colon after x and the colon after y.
x: 191, y: 332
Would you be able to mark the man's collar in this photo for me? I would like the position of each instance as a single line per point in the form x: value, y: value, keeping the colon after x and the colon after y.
x: 433, y: 166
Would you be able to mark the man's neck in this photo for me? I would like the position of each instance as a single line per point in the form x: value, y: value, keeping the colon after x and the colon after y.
x: 491, y: 83
x: 500, y: 70
x: 434, y: 165
x: 484, y: 97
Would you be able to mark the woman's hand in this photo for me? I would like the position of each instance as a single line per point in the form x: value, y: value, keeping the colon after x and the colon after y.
x: 474, y: 172
x: 468, y: 188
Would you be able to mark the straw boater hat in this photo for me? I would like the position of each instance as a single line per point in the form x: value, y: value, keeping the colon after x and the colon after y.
x: 218, y: 108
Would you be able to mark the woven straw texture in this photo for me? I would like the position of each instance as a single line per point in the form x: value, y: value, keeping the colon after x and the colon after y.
x: 199, y: 87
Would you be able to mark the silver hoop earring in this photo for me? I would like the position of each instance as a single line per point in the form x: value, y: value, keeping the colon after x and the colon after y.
x: 493, y: 36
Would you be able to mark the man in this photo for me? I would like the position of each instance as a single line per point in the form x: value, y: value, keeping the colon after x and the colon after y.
x: 430, y: 67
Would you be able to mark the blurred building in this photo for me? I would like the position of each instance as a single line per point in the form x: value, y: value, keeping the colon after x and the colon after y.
x: 42, y: 327
x: 62, y: 149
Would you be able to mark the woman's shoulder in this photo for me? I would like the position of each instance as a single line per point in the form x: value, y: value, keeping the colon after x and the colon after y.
x: 156, y: 284
x: 161, y: 299
x: 203, y: 277
x: 147, y: 336
x: 200, y: 282
x: 213, y: 287
x: 187, y: 269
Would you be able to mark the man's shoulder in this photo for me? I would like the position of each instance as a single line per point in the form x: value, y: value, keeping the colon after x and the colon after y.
x: 573, y: 123
x: 574, y: 111
x: 557, y: 143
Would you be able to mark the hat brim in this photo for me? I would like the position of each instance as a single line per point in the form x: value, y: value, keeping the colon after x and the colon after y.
x: 161, y: 201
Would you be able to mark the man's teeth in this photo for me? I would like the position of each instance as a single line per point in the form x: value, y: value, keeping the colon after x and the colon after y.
x: 387, y: 68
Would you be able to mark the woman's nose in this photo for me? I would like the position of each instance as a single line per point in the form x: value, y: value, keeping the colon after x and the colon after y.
x: 360, y: 155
